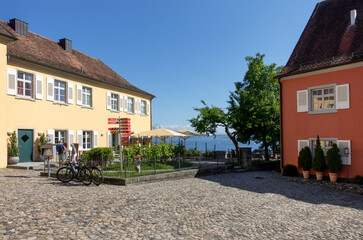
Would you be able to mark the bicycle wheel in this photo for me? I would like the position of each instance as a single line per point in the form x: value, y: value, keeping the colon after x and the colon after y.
x: 86, y: 176
x: 65, y: 174
x: 97, y: 176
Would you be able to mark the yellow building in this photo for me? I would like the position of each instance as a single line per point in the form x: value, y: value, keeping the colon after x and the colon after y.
x: 48, y: 87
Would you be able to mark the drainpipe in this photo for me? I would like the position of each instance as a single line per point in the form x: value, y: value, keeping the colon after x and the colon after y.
x: 281, y: 132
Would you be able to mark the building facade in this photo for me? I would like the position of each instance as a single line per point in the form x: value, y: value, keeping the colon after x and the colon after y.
x: 49, y: 87
x: 320, y: 86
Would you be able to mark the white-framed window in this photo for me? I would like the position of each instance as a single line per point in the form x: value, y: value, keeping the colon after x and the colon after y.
x: 86, y: 96
x: 325, y: 144
x: 130, y: 104
x: 87, y: 139
x: 59, y: 91
x: 114, y: 102
x: 60, y: 135
x: 24, y: 84
x: 323, y: 99
x: 143, y: 107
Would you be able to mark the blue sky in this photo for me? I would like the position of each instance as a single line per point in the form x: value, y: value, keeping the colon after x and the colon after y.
x: 182, y: 51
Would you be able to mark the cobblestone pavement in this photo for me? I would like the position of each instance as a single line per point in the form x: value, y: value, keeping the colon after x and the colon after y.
x: 252, y: 205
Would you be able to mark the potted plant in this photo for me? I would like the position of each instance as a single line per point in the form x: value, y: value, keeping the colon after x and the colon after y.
x: 334, y: 162
x: 13, y: 149
x: 318, y: 162
x: 41, y: 141
x: 304, y: 161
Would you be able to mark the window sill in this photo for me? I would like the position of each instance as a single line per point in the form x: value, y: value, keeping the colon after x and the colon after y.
x: 60, y: 103
x: 323, y: 111
x: 24, y: 98
x: 115, y: 111
x: 87, y: 107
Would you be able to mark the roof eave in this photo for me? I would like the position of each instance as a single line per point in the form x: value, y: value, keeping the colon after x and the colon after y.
x: 77, y: 74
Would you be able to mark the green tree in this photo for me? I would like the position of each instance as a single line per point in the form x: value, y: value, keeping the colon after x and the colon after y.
x: 318, y: 162
x: 253, y: 112
x: 257, y: 101
x: 333, y: 159
x: 210, y: 118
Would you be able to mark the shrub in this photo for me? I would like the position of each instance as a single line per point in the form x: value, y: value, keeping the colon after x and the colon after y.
x: 289, y: 170
x: 98, y: 153
x: 304, y: 159
x: 41, y: 141
x: 333, y: 159
x: 318, y: 162
x: 13, y: 147
x: 358, y: 179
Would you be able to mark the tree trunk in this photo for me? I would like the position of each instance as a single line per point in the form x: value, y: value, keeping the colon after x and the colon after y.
x: 274, y: 150
x: 264, y: 142
x: 235, y: 143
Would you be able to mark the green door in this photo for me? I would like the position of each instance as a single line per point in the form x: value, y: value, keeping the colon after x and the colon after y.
x: 25, y: 140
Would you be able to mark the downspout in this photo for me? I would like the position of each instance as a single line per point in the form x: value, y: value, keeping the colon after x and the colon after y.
x: 281, y: 131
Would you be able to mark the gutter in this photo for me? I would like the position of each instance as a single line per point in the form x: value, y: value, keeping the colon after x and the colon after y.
x: 281, y: 131
x: 77, y: 74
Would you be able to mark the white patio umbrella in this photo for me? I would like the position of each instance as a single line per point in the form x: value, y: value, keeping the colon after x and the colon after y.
x: 161, y: 133
x: 189, y: 134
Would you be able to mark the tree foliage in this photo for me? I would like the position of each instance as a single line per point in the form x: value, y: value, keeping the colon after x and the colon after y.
x: 304, y: 159
x: 254, y: 108
x: 333, y: 159
x: 318, y: 162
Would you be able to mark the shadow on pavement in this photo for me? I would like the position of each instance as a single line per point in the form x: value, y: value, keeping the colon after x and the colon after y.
x: 269, y: 182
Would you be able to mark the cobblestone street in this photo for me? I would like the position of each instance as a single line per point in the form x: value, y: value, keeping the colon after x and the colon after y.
x: 252, y: 205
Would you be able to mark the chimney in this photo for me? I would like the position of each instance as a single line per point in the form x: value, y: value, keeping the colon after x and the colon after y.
x: 353, y: 17
x: 19, y: 26
x: 66, y: 44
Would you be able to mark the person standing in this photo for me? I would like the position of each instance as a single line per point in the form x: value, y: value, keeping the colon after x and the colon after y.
x: 61, y: 149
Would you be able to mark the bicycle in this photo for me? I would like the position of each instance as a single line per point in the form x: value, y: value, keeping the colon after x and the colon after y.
x: 79, y: 173
x: 96, y: 172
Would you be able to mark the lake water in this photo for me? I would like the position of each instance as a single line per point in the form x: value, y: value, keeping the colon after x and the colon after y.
x: 220, y: 143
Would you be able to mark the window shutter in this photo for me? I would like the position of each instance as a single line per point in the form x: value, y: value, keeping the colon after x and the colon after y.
x: 139, y: 106
x: 147, y: 108
x: 342, y: 93
x: 50, y: 89
x: 95, y: 139
x: 301, y: 144
x: 70, y: 93
x: 109, y: 139
x: 108, y: 100
x: 79, y: 94
x: 125, y: 103
x: 302, y: 101
x: 80, y: 139
x: 346, y: 159
x: 70, y: 138
x: 11, y: 81
x: 121, y: 103
x: 51, y: 134
x: 39, y: 86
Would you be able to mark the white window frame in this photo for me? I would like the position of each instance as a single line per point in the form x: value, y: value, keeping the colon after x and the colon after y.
x: 114, y: 102
x: 322, y: 140
x: 130, y: 105
x: 322, y: 88
x: 87, y: 139
x: 143, y: 107
x: 64, y: 136
x: 57, y: 90
x: 85, y: 94
x: 24, y: 81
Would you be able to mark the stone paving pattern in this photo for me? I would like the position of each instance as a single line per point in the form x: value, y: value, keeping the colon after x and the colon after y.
x: 251, y: 205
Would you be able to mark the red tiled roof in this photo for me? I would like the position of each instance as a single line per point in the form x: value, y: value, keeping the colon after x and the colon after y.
x: 5, y: 32
x: 328, y: 40
x: 41, y: 50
